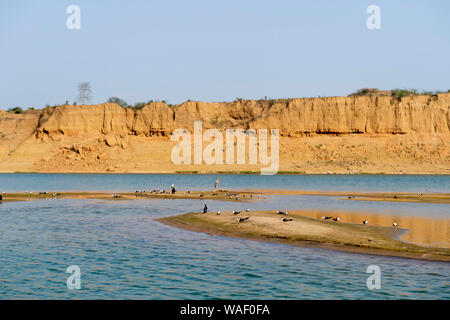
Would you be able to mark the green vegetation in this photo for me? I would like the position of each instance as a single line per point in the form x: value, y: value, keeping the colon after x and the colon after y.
x: 15, y: 110
x: 119, y: 101
x: 395, y: 93
x: 365, y: 92
x: 400, y: 93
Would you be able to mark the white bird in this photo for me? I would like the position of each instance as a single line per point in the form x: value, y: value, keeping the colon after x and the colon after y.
x: 247, y: 210
x: 365, y: 221
x: 336, y: 219
x: 218, y: 212
x: 394, y: 224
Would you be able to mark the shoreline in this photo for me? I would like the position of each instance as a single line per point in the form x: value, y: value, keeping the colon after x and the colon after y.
x: 224, y: 194
x: 231, y: 172
x: 371, y: 240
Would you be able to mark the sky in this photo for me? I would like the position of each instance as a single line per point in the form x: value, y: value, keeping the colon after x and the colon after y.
x: 218, y: 50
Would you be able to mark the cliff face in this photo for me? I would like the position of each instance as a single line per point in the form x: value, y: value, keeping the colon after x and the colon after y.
x: 107, y: 136
x: 337, y: 115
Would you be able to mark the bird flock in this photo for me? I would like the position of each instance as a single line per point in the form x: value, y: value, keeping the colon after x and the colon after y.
x: 284, y: 218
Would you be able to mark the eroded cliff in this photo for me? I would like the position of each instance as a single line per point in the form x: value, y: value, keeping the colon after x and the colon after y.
x: 334, y: 134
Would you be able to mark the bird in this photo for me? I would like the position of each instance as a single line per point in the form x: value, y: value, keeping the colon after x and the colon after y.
x: 237, y: 198
x: 242, y: 219
x: 218, y: 212
x: 247, y: 210
x: 394, y: 224
x: 326, y: 218
x: 236, y: 212
x: 286, y: 219
x: 365, y: 221
x: 282, y: 212
x: 205, y: 208
x: 336, y: 219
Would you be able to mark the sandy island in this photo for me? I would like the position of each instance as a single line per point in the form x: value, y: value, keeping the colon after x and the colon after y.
x: 420, y: 197
x: 223, y: 195
x: 306, y: 231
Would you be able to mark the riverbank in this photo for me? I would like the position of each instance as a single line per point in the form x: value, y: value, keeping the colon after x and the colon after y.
x: 234, y: 195
x: 307, y: 231
x: 223, y: 195
x: 419, y: 197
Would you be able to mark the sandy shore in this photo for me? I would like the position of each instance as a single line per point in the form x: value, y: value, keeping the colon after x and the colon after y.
x: 231, y: 195
x: 368, y: 196
x: 223, y: 195
x: 307, y: 231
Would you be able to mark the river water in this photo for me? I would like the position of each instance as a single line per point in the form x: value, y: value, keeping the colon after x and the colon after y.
x: 123, y: 253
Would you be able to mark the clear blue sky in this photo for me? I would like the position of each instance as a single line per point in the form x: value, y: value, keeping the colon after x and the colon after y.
x: 218, y: 50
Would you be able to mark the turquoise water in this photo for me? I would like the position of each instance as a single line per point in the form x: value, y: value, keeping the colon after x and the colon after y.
x: 127, y: 182
x: 123, y: 253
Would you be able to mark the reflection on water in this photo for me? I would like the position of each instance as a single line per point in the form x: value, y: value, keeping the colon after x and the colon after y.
x: 421, y: 230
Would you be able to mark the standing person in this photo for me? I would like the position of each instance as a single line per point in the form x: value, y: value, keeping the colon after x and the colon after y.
x: 217, y: 183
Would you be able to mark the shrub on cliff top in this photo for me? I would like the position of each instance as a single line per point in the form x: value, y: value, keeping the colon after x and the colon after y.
x: 15, y: 110
x: 400, y: 93
x: 364, y: 92
x: 119, y: 101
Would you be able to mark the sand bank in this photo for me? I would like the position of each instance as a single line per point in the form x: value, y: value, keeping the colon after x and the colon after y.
x: 307, y: 231
x: 223, y: 195
x: 419, y: 197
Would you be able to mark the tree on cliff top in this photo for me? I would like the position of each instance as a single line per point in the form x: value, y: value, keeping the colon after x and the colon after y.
x: 119, y: 101
x: 15, y: 110
x: 84, y: 91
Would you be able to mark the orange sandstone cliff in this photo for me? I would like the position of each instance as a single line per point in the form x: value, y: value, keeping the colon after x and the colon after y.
x: 378, y: 134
